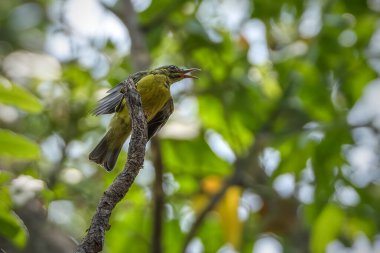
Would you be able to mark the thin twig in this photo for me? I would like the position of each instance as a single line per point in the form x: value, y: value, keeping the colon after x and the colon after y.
x: 140, y: 57
x: 239, y: 177
x: 209, y: 207
x: 247, y: 172
x: 158, y: 197
x: 139, y: 50
x: 94, y: 240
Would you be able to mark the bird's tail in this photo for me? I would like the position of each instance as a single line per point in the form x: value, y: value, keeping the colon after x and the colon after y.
x: 107, y: 150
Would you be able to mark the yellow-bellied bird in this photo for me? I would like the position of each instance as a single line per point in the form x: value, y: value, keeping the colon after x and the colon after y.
x: 157, y: 103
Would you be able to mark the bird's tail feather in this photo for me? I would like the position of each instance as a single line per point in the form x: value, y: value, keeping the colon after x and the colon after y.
x: 106, y: 154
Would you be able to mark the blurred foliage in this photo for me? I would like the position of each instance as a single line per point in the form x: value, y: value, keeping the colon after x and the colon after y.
x: 276, y: 108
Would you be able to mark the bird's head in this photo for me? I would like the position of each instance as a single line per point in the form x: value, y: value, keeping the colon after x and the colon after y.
x: 175, y: 73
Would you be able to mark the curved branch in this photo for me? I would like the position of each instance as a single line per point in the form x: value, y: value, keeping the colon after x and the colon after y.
x: 247, y: 169
x: 94, y: 240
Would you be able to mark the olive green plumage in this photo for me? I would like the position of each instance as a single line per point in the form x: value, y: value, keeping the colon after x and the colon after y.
x: 154, y: 89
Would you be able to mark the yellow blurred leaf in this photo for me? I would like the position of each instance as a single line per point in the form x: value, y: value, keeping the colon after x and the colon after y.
x: 228, y: 210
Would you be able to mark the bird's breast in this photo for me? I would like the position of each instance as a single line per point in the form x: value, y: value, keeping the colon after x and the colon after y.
x: 155, y: 92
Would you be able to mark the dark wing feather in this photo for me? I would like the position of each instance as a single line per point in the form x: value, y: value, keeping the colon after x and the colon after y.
x: 109, y: 103
x: 160, y: 119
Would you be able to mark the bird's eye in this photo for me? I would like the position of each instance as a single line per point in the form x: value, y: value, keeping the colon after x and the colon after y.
x: 172, y: 68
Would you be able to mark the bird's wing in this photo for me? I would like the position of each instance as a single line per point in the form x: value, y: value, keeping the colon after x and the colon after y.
x: 160, y: 119
x: 109, y: 103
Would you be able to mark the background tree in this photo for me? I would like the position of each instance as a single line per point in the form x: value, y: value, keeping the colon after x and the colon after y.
x: 275, y: 147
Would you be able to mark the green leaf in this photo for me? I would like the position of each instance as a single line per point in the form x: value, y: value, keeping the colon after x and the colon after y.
x: 229, y: 124
x: 11, y: 225
x: 179, y: 157
x: 291, y: 144
x: 12, y: 228
x: 327, y: 157
x: 314, y: 93
x: 134, y: 222
x: 326, y: 227
x: 359, y: 225
x: 173, y: 236
x: 16, y: 146
x: 15, y: 95
x: 212, y: 241
x: 188, y: 185
x: 5, y: 176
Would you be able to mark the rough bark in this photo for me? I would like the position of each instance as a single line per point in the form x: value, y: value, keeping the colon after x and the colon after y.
x: 94, y: 240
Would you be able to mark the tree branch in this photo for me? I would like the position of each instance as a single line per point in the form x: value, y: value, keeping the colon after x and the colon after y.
x: 210, y: 206
x: 94, y: 240
x: 237, y: 178
x: 158, y: 197
x: 141, y: 60
x: 247, y: 172
x: 140, y: 57
x: 139, y: 51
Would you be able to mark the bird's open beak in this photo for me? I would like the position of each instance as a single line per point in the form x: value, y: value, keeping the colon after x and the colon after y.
x: 187, y: 71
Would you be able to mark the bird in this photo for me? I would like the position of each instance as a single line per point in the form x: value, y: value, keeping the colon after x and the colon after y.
x: 157, y: 102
